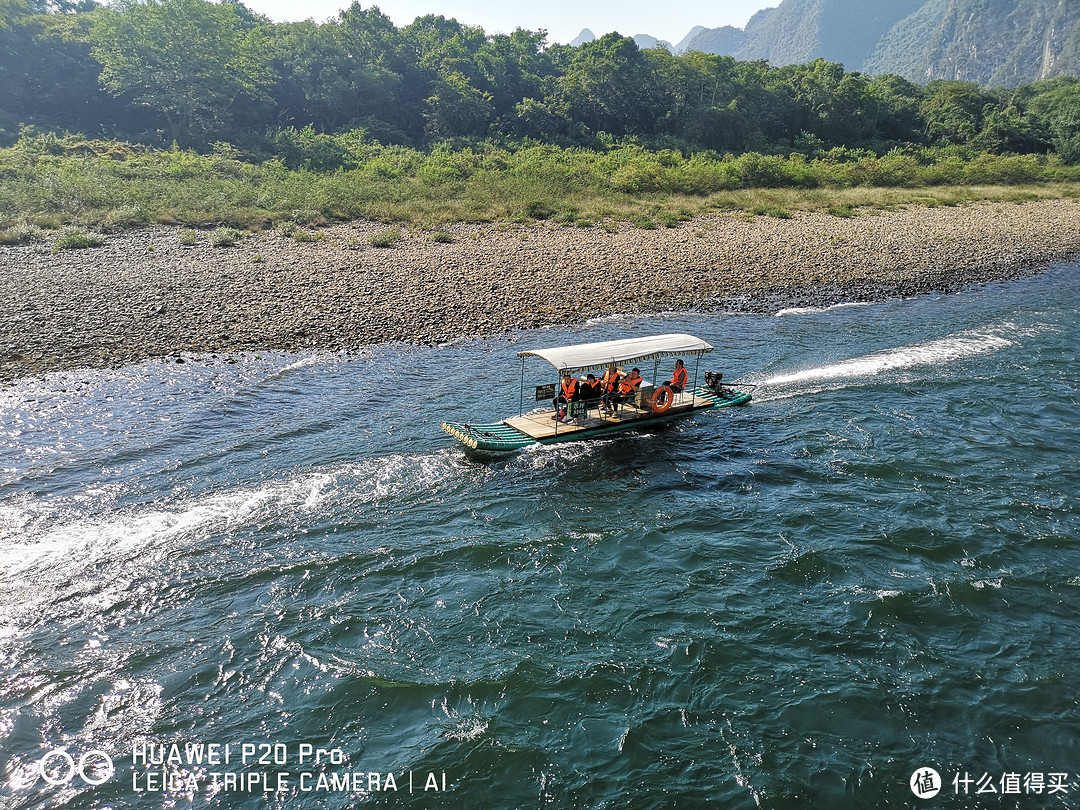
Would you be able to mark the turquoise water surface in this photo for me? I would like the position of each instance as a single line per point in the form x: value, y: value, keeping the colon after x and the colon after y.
x: 282, y: 567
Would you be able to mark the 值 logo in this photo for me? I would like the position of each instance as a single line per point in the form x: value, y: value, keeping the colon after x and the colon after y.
x: 925, y: 783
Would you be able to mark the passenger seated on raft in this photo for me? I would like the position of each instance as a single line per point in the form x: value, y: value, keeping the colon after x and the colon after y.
x: 627, y: 387
x: 590, y: 389
x: 678, y: 380
x: 609, y: 383
x: 609, y: 386
x: 569, y: 391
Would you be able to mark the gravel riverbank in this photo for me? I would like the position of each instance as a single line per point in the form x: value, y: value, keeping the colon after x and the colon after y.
x: 142, y: 294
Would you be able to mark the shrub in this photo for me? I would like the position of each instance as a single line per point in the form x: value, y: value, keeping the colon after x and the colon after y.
x: 21, y: 234
x: 1008, y: 169
x: 224, y: 237
x: 77, y: 239
x: 538, y: 209
x: 442, y: 237
x: 302, y: 235
x: 702, y: 175
x: 305, y: 216
x: 640, y: 178
x: 308, y: 149
x: 385, y: 239
x: 188, y: 237
x: 51, y: 222
x: 891, y: 171
x: 566, y: 216
x: 103, y: 185
x: 760, y: 171
x: 841, y: 210
x: 438, y: 169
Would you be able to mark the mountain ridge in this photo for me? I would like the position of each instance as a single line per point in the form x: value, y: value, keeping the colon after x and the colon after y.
x: 988, y: 42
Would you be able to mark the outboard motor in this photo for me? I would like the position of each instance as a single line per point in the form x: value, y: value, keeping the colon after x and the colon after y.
x: 714, y: 384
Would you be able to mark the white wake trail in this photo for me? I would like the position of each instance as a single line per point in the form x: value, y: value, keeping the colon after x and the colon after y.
x: 934, y: 352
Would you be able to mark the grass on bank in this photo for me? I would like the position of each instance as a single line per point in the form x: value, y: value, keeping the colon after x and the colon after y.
x: 77, y: 239
x: 48, y: 183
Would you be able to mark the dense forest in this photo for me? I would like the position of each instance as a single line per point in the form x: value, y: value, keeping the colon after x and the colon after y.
x: 194, y: 73
x: 203, y: 114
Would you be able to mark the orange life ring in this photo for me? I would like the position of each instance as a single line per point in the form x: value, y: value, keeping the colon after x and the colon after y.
x: 661, y: 399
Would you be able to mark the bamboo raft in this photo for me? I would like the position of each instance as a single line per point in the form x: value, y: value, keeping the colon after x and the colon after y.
x: 589, y: 419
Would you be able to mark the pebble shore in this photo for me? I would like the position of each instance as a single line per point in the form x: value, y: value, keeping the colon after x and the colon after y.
x: 144, y: 295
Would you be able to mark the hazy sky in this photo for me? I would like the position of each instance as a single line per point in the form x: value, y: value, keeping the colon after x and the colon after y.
x: 562, y: 19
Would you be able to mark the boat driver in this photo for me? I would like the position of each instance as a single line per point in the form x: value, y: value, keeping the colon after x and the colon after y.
x: 679, y: 378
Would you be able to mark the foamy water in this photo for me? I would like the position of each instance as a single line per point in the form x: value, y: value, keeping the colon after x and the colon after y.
x: 931, y: 353
x: 817, y: 310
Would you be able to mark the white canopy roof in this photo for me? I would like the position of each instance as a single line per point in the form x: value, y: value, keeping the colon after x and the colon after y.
x: 632, y: 350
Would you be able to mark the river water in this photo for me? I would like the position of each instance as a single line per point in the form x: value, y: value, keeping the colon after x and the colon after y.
x: 279, y: 564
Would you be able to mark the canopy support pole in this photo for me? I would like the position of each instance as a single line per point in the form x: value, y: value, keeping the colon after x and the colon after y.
x: 693, y: 388
x: 558, y: 393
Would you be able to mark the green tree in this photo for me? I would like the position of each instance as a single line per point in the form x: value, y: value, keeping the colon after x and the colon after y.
x: 512, y: 68
x: 441, y: 46
x: 16, y: 42
x: 191, y: 61
x: 953, y: 111
x: 440, y: 68
x: 457, y: 108
x: 1055, y: 106
x: 897, y: 108
x: 765, y: 104
x: 828, y: 102
x: 699, y: 95
x: 541, y: 120
x: 609, y: 87
x: 47, y: 76
x: 1006, y: 128
x: 341, y: 73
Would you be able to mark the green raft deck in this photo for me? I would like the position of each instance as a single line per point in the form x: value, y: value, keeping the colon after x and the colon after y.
x: 540, y: 428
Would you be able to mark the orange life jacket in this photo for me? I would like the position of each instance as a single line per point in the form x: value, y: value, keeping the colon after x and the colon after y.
x: 680, y: 377
x: 628, y: 384
x: 610, y: 381
x: 569, y: 387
